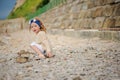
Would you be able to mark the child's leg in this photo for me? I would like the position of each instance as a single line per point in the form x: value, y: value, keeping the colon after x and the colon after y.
x: 37, y: 49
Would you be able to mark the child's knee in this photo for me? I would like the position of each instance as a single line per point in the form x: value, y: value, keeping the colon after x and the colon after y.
x: 31, y: 46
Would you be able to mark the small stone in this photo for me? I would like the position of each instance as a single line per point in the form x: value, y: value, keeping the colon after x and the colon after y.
x: 77, y: 78
x: 25, y: 54
x: 36, y: 71
x: 2, y: 60
x: 21, y: 52
x: 29, y: 66
x: 71, y: 51
x: 29, y: 69
x: 66, y: 79
x: 115, y: 50
x: 2, y: 43
x: 86, y: 50
x: 65, y: 58
x: 21, y: 59
x: 82, y: 74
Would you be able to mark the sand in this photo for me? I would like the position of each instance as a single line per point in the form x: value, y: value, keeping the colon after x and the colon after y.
x: 75, y: 58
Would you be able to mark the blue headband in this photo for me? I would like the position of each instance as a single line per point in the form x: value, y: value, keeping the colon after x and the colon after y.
x: 35, y: 21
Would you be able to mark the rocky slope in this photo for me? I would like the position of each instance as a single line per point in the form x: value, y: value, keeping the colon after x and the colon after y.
x: 18, y: 4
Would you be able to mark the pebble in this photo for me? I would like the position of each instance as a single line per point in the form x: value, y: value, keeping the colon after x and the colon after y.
x: 2, y: 43
x: 21, y: 59
x: 2, y: 60
x: 77, y: 78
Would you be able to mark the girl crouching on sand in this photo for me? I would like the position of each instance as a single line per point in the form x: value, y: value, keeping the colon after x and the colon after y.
x: 41, y: 44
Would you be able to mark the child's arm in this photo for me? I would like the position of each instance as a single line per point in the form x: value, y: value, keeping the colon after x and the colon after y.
x: 42, y: 38
x: 48, y: 49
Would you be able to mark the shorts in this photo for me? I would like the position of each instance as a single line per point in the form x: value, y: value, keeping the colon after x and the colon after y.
x: 39, y: 47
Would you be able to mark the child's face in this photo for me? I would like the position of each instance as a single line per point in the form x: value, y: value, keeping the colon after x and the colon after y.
x: 35, y: 28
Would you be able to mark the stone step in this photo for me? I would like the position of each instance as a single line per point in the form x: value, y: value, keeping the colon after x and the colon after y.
x: 106, y: 35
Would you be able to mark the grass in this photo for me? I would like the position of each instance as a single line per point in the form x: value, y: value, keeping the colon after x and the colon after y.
x: 30, y: 6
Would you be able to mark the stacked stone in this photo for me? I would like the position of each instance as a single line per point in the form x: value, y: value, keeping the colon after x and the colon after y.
x: 12, y: 25
x: 84, y: 14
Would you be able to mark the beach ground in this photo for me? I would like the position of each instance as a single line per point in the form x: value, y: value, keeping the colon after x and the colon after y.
x: 75, y: 58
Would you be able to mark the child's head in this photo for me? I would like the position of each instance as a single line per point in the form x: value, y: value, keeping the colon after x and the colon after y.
x: 36, y: 25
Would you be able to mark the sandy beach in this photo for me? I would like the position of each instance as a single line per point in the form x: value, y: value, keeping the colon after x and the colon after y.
x: 75, y: 58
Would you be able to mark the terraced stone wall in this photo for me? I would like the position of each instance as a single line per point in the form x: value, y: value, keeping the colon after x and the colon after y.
x: 84, y: 14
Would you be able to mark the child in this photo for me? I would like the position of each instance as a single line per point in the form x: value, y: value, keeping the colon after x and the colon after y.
x: 41, y: 44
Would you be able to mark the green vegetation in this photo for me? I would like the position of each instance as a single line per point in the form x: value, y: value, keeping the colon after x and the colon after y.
x: 50, y: 5
x: 32, y: 8
x: 29, y: 7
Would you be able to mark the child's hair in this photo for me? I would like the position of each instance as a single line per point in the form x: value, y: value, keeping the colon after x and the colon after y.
x: 42, y: 27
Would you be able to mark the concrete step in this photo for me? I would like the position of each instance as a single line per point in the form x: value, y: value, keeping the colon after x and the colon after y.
x: 107, y: 35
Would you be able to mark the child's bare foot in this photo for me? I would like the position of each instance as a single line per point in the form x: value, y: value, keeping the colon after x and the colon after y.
x: 41, y: 56
x: 49, y: 56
